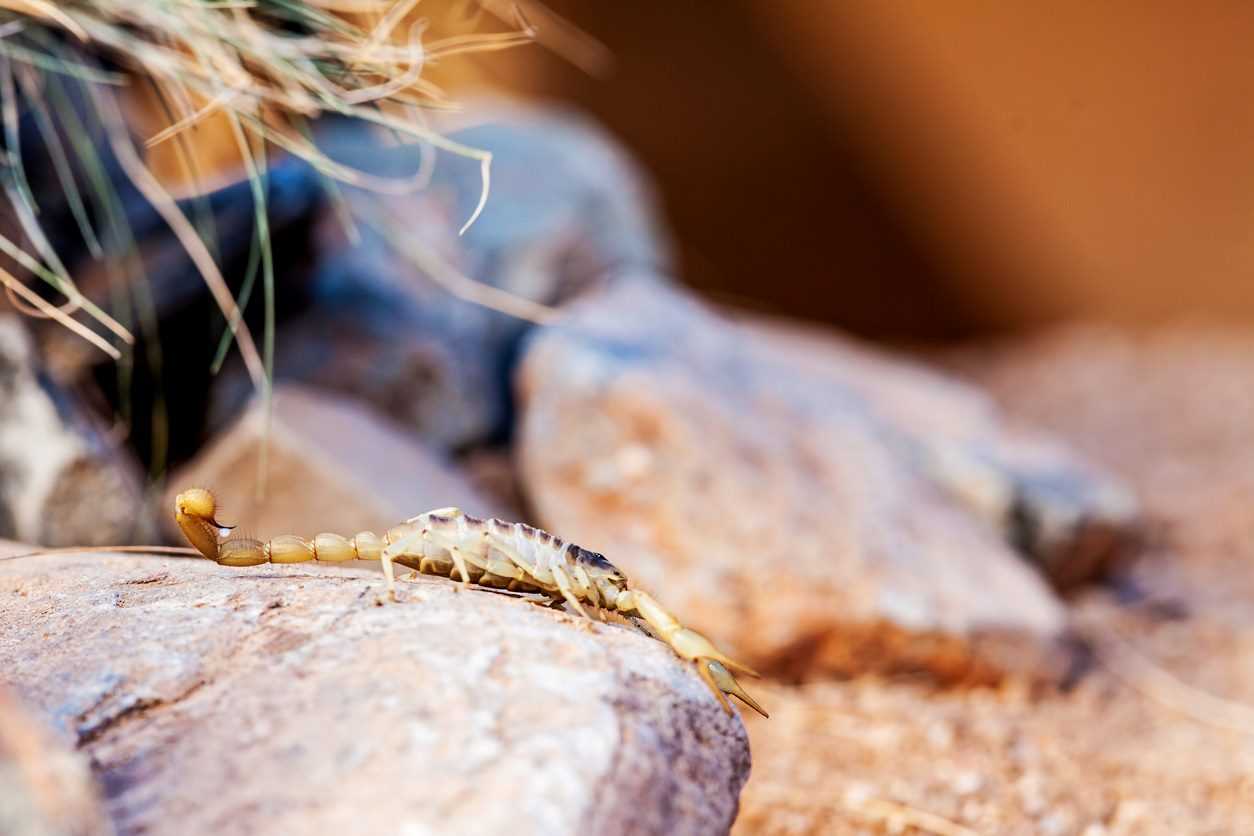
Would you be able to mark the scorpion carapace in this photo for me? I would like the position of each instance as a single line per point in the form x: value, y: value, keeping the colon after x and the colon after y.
x: 490, y: 553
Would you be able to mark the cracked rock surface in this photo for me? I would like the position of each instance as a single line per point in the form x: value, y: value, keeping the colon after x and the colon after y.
x: 282, y: 699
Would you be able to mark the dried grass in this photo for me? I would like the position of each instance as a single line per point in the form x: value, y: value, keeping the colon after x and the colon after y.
x: 269, y: 66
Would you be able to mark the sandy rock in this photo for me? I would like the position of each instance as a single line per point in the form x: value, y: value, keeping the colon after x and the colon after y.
x: 45, y: 789
x: 61, y: 481
x: 334, y: 465
x: 819, y: 508
x: 282, y: 699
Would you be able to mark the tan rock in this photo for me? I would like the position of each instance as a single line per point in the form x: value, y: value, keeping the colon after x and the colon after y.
x: 1071, y: 518
x: 816, y: 506
x: 45, y: 789
x: 334, y: 465
x: 281, y: 699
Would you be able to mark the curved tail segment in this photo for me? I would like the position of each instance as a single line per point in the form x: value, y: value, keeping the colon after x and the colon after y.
x: 195, y: 511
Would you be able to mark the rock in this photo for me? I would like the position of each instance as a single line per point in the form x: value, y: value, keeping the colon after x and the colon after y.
x: 333, y: 465
x: 1167, y: 409
x: 1068, y: 516
x: 45, y: 789
x: 818, y: 507
x: 567, y: 211
x: 281, y: 699
x: 62, y: 481
x: 358, y: 315
x: 1172, y: 411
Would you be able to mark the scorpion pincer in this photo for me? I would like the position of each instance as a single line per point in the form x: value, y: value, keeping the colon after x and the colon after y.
x: 490, y: 553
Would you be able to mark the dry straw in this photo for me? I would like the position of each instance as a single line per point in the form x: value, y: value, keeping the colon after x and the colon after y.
x: 267, y: 67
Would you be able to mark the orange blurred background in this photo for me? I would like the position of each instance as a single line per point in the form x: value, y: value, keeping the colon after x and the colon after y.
x: 932, y: 170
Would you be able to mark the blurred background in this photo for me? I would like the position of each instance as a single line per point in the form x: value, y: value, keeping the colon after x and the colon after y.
x: 905, y: 347
x: 918, y: 170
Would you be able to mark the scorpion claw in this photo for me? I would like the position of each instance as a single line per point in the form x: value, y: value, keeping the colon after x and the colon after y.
x: 692, y: 645
x: 713, y: 666
x: 721, y: 682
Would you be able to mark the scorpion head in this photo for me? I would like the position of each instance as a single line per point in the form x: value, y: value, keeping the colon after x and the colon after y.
x: 609, y: 581
x: 194, y: 512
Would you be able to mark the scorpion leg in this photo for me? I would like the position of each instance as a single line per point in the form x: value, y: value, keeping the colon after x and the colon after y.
x: 542, y: 579
x: 392, y: 552
x: 460, y: 557
x: 593, y: 595
x: 459, y: 561
x: 712, y: 664
x: 568, y: 592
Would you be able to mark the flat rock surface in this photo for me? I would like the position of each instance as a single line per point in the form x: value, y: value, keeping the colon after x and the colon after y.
x: 284, y: 700
x: 821, y: 508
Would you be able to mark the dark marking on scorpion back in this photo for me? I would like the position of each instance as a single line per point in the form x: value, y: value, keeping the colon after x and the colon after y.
x: 592, y: 559
x: 533, y: 533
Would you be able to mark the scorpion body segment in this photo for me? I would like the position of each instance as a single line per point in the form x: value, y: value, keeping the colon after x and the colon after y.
x: 490, y: 553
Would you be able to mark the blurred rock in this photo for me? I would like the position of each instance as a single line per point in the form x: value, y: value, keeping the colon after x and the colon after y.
x: 1071, y: 518
x: 1168, y: 408
x: 567, y: 212
x: 819, y: 507
x: 333, y: 465
x: 362, y: 299
x: 1154, y: 740
x: 283, y: 700
x: 1172, y: 410
x: 62, y: 481
x: 45, y: 789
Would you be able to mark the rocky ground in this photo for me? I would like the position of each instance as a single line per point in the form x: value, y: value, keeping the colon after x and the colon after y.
x: 1151, y: 737
x: 929, y: 560
x: 1155, y: 738
x: 289, y: 701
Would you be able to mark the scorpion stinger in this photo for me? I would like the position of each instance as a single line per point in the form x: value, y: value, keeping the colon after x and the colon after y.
x: 490, y: 553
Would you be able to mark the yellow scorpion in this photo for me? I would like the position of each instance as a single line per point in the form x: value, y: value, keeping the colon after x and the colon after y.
x: 489, y: 553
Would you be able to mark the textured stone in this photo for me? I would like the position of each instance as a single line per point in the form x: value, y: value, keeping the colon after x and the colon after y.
x: 357, y: 313
x: 282, y: 699
x: 1069, y: 517
x: 818, y: 506
x: 568, y: 211
x: 333, y: 465
x: 45, y: 789
x: 62, y: 481
x: 1154, y: 740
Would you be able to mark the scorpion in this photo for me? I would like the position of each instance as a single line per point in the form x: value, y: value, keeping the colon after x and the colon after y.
x: 492, y: 554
